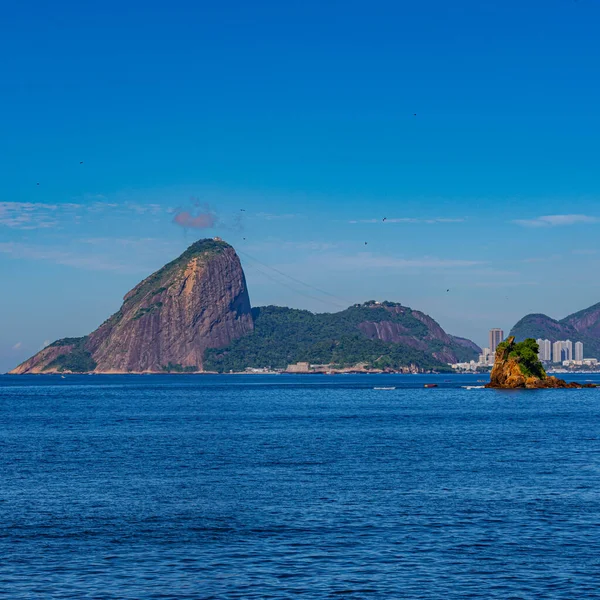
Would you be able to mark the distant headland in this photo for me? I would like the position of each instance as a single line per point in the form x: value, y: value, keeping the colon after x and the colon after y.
x: 194, y: 316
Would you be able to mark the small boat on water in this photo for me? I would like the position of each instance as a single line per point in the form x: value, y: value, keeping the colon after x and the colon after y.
x: 430, y: 385
x: 473, y: 387
x: 384, y: 388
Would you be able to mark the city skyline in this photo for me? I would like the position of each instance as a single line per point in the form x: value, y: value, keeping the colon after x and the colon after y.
x: 561, y: 351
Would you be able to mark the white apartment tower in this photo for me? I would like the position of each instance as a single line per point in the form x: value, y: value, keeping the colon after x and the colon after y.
x: 578, y: 351
x: 568, y: 350
x: 496, y: 337
x: 545, y: 349
x: 557, y: 352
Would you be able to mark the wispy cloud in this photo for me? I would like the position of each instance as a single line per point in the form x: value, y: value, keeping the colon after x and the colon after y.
x: 503, y: 284
x: 277, y: 244
x: 72, y: 259
x: 556, y: 220
x: 31, y: 215
x: 274, y: 217
x: 17, y: 345
x: 373, y: 261
x: 409, y: 220
x: 40, y: 215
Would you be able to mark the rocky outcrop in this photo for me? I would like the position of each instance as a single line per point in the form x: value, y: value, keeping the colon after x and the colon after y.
x: 512, y: 372
x: 198, y: 301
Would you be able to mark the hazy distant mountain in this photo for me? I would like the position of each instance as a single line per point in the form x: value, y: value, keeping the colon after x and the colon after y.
x: 582, y: 326
x: 194, y: 314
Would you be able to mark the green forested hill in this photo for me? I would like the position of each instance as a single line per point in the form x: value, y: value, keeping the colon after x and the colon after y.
x: 285, y: 336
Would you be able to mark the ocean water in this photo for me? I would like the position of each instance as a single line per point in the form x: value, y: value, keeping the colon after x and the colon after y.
x: 296, y: 487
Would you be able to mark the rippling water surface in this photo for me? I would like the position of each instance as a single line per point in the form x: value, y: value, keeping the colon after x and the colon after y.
x: 291, y: 486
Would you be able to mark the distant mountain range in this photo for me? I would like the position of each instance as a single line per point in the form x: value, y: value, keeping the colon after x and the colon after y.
x: 582, y: 326
x: 194, y: 315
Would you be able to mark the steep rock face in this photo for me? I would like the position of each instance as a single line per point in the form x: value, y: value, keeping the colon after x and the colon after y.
x: 465, y: 343
x: 419, y: 331
x: 198, y: 301
x: 508, y: 374
x: 585, y: 321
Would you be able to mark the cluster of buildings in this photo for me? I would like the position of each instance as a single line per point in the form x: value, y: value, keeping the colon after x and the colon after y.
x: 561, y: 352
x: 564, y: 352
x: 486, y: 358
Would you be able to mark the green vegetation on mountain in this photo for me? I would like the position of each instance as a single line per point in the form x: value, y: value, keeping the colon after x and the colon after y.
x: 77, y: 360
x: 154, y: 284
x: 582, y: 326
x: 284, y: 336
x: 194, y: 314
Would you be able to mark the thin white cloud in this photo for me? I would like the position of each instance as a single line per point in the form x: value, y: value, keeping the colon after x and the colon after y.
x: 17, y: 345
x: 502, y: 284
x: 28, y: 215
x: 373, y: 261
x: 40, y: 215
x: 409, y: 220
x: 556, y: 220
x: 273, y: 217
x: 72, y: 259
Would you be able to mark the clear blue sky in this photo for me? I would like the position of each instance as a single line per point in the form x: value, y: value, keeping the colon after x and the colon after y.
x: 301, y: 113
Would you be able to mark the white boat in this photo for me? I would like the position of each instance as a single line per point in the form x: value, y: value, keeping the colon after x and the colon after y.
x: 384, y: 388
x: 473, y: 387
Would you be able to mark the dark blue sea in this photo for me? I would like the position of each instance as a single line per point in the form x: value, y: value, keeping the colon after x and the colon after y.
x: 296, y: 487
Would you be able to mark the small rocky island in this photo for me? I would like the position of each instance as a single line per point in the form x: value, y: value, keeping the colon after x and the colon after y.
x: 517, y: 366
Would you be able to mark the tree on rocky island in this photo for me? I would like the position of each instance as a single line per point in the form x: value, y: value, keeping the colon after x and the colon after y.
x: 526, y: 353
x: 517, y: 366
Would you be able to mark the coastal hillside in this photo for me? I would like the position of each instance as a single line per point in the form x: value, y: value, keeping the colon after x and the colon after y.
x: 583, y: 326
x: 198, y: 301
x: 194, y: 315
x: 381, y: 335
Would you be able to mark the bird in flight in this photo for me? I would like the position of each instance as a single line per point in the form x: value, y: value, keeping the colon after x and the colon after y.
x: 37, y: 184
x: 80, y: 162
x: 365, y: 243
x: 385, y: 218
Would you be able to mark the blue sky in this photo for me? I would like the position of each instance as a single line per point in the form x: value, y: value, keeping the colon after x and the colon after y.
x: 303, y: 115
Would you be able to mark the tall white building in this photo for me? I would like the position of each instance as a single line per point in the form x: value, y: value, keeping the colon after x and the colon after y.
x: 540, y: 343
x: 578, y: 351
x: 568, y: 350
x: 545, y: 349
x: 557, y: 352
x: 496, y: 337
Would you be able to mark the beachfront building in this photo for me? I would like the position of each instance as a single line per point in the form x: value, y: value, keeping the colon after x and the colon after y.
x: 578, y: 351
